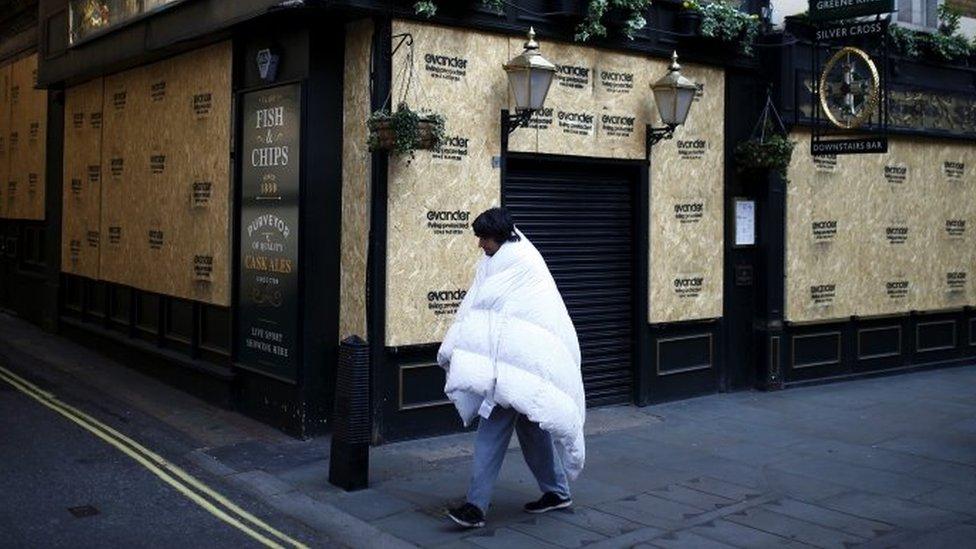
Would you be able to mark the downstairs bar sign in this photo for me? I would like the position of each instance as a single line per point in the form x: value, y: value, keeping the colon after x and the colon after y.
x: 878, y: 145
x: 267, y: 285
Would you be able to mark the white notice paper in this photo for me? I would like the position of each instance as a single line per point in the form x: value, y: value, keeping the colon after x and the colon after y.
x: 745, y: 222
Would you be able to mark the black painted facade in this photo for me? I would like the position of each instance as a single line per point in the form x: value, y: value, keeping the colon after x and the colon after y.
x: 191, y: 344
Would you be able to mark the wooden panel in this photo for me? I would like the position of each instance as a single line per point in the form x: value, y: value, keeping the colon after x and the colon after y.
x: 355, y: 181
x: 881, y: 342
x: 28, y: 140
x: 683, y: 354
x: 4, y: 136
x: 903, y: 237
x: 82, y: 176
x: 686, y: 251
x: 597, y: 106
x: 124, y: 103
x: 938, y: 335
x: 820, y: 349
x: 434, y: 197
x: 166, y: 213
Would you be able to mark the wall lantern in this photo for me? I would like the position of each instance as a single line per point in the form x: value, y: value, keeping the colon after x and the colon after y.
x: 673, y: 94
x: 529, y: 77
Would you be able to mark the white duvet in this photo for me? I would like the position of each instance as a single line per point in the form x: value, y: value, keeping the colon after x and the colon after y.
x: 513, y: 342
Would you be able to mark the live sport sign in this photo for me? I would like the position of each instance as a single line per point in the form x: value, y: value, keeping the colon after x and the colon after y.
x: 831, y: 10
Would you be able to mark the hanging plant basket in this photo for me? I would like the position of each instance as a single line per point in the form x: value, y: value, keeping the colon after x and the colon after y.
x: 404, y: 131
x: 768, y: 148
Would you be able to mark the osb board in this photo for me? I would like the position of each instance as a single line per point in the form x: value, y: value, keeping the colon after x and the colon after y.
x: 433, y: 198
x: 167, y: 211
x: 27, y: 143
x: 355, y: 181
x: 686, y: 209
x: 4, y: 135
x: 201, y: 160
x: 82, y: 176
x: 597, y: 106
x: 904, y: 239
x: 123, y: 106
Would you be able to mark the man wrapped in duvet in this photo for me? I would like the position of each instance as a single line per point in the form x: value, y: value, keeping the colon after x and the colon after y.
x: 513, y: 360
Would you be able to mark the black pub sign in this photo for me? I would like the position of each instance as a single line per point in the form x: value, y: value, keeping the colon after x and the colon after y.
x: 268, y: 272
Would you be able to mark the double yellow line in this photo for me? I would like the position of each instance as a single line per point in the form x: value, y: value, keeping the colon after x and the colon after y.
x: 181, y: 481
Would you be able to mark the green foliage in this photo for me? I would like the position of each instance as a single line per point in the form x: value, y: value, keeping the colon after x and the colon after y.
x: 948, y: 19
x: 773, y: 153
x: 426, y: 8
x: 691, y: 5
x: 723, y: 21
x: 593, y: 26
x: 904, y: 41
x: 945, y: 46
x: 410, y: 130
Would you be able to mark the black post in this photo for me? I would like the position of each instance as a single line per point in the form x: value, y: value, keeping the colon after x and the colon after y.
x: 771, y: 334
x: 381, y: 79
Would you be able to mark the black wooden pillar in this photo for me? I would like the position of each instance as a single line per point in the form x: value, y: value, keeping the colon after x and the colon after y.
x: 381, y: 78
x: 773, y: 255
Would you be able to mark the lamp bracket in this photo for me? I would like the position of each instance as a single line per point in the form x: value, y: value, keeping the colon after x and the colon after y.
x: 657, y: 134
x: 517, y: 120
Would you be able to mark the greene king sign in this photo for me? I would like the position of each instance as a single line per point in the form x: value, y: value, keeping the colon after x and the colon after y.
x: 830, y: 10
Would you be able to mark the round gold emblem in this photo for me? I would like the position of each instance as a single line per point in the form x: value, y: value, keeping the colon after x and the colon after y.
x: 849, y: 87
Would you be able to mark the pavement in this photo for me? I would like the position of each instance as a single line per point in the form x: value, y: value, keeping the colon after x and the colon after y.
x: 882, y: 462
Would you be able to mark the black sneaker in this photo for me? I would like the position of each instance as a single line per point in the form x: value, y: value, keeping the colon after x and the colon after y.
x: 468, y: 516
x: 550, y: 501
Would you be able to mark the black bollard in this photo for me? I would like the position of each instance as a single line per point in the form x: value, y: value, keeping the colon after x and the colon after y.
x: 349, y: 460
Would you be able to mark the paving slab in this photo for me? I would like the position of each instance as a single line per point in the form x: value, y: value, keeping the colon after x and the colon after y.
x: 507, y: 538
x: 743, y: 536
x: 857, y: 477
x: 727, y: 490
x: 794, y: 529
x: 687, y: 540
x: 557, y: 532
x: 952, y: 499
x: 903, y: 513
x: 597, y: 521
x: 823, y: 516
x: 688, y: 496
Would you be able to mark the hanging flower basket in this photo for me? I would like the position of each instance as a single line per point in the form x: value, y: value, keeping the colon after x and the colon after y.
x: 773, y: 154
x: 769, y: 147
x: 404, y: 131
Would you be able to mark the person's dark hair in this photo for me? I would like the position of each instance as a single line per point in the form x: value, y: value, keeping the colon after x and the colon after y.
x: 496, y: 224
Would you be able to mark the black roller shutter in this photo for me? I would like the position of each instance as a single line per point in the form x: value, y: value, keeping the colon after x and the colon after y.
x: 583, y: 222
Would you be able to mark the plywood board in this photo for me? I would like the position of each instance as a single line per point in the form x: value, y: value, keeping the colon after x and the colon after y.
x: 201, y: 106
x: 82, y: 175
x: 125, y: 102
x: 434, y: 197
x: 910, y: 215
x: 167, y: 204
x: 356, y: 160
x: 686, y: 252
x: 28, y: 142
x: 4, y: 135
